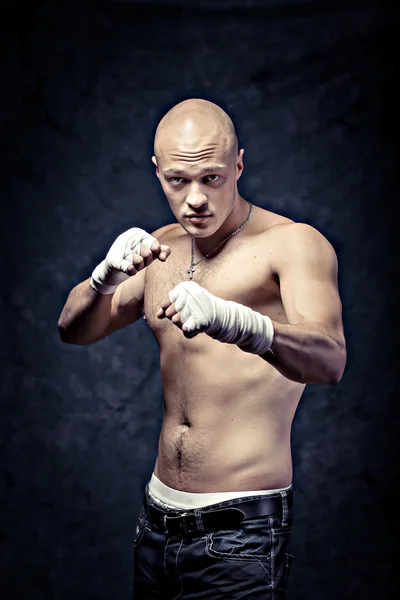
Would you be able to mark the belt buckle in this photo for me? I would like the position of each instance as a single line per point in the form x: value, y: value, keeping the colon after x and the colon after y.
x: 165, y: 517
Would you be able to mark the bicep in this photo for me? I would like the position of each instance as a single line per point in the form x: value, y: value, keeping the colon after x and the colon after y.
x: 308, y: 280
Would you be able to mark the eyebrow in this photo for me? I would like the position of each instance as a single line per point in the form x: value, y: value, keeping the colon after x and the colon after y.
x: 202, y: 170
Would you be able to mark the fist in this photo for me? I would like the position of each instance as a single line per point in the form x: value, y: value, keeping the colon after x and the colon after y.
x: 143, y: 256
x: 190, y: 307
x: 132, y: 251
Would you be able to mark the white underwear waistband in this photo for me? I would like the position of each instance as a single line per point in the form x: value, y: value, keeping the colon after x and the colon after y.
x: 166, y: 496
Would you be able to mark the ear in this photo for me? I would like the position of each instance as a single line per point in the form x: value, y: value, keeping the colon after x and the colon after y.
x: 239, y: 164
x: 154, y: 161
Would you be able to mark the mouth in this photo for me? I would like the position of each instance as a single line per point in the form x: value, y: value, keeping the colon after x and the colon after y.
x: 198, y: 218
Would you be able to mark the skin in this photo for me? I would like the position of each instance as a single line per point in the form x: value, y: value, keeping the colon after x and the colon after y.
x: 227, y: 413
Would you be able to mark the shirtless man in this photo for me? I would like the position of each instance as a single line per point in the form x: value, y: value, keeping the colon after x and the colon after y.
x: 245, y: 308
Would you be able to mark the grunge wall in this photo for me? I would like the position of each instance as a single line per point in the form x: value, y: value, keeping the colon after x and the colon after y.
x: 311, y: 88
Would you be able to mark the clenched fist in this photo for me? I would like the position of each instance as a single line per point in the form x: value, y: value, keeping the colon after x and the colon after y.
x: 132, y: 251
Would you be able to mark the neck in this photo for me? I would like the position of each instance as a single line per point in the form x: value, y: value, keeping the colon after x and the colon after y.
x: 235, y: 218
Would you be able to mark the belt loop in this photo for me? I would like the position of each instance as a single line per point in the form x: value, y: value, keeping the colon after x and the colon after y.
x: 284, y: 507
x: 165, y: 523
x: 199, y: 520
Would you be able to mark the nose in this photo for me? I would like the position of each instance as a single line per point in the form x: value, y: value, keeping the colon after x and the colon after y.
x: 196, y: 198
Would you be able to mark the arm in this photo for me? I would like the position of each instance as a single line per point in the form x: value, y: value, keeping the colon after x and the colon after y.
x: 311, y: 347
x: 89, y: 315
x: 85, y: 314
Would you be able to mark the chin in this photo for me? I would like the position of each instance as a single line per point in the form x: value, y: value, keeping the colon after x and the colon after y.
x: 198, y: 232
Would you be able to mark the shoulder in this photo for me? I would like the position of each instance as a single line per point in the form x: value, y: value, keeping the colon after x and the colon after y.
x: 300, y: 243
x: 281, y: 233
x: 298, y: 235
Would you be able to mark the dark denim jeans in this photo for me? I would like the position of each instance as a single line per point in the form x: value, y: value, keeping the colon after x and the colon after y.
x: 251, y: 562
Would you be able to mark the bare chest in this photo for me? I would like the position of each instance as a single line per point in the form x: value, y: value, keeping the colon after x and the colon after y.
x: 242, y: 274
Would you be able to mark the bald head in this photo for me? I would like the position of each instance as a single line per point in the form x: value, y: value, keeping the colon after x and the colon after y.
x: 193, y: 125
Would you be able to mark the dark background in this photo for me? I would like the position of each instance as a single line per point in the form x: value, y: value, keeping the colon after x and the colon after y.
x: 311, y: 88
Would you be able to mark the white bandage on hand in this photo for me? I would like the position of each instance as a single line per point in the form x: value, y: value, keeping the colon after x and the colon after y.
x: 112, y: 271
x: 223, y: 320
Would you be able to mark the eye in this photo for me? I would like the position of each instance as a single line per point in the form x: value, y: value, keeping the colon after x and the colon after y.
x: 213, y: 178
x: 176, y: 180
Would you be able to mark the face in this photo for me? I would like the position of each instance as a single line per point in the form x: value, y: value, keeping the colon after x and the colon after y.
x: 199, y: 180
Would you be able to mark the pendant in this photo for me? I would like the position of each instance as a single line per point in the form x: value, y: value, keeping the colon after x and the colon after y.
x: 191, y: 271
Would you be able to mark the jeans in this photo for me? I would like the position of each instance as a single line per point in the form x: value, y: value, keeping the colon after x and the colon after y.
x: 250, y: 561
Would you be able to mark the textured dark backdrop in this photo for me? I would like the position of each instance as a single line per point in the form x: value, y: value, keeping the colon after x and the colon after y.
x: 311, y: 88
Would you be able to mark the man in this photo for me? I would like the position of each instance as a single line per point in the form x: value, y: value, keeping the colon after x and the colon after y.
x: 245, y: 308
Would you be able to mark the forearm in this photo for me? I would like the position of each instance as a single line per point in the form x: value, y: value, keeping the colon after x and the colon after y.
x: 306, y: 353
x: 85, y: 316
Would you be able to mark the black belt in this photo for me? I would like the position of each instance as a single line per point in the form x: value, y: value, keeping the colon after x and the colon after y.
x: 185, y: 522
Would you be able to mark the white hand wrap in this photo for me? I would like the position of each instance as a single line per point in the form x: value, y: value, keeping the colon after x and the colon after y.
x: 223, y: 320
x: 112, y: 271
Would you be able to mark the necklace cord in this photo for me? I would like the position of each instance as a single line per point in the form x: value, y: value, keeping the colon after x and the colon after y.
x: 194, y: 264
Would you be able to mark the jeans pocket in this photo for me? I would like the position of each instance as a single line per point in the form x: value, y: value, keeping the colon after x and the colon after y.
x: 239, y: 545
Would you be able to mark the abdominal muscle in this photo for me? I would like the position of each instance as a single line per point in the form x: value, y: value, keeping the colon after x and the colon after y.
x: 227, y: 418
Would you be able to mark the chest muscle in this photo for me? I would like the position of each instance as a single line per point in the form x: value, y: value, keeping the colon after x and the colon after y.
x: 242, y: 275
